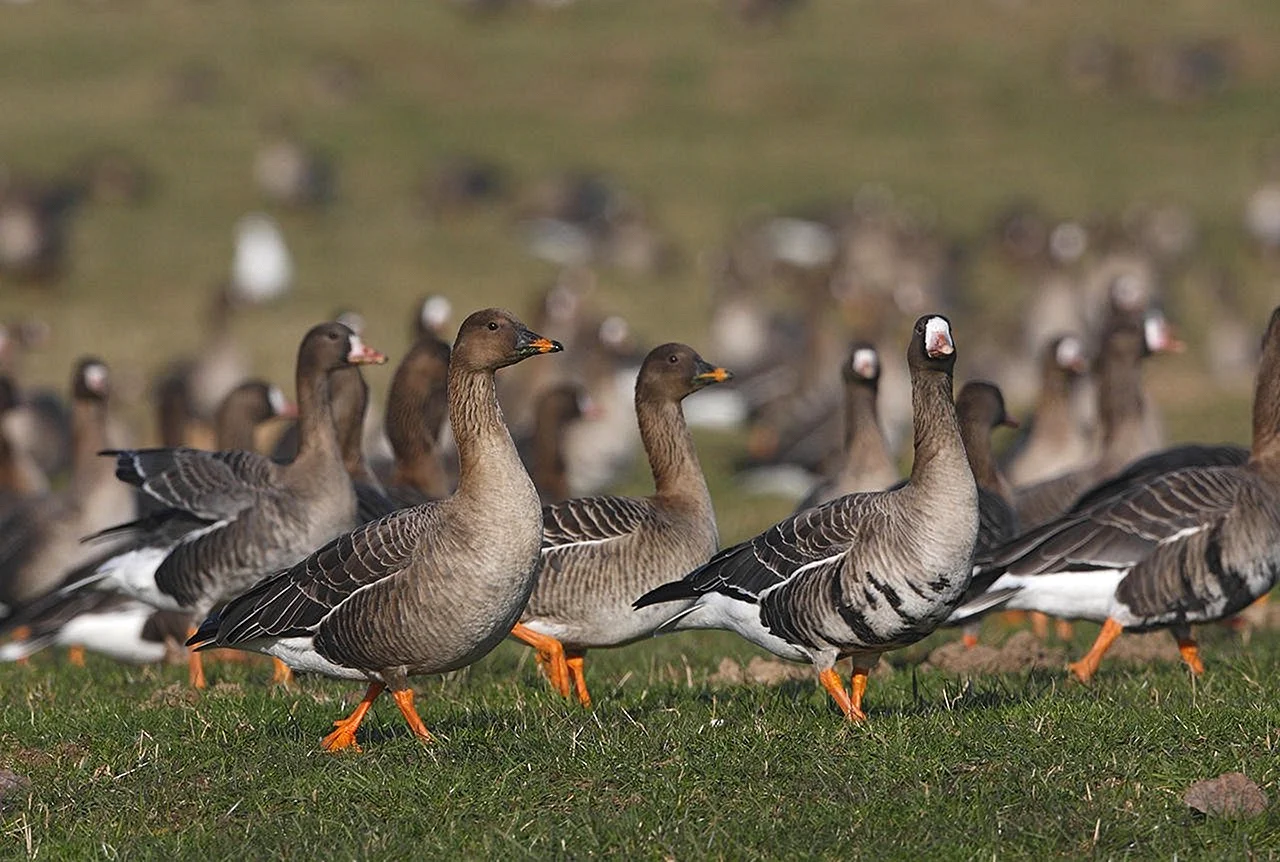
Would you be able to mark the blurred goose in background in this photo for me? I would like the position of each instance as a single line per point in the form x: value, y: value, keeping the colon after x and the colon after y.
x: 20, y: 475
x: 236, y: 514
x: 417, y: 407
x: 118, y: 626
x: 866, y: 463
x: 425, y: 590
x: 1055, y: 440
x: 599, y: 553
x: 35, y: 220
x: 459, y: 184
x: 195, y: 385
x: 865, y: 573
x: 543, y: 451
x: 262, y: 267
x: 1122, y: 417
x: 432, y: 318
x: 40, y: 539
x: 289, y: 172
x: 1188, y: 546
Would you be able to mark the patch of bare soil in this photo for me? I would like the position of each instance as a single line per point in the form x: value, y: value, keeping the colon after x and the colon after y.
x: 1143, y: 649
x: 12, y: 787
x: 1022, y: 651
x: 768, y: 671
x: 173, y: 695
x: 1231, y: 794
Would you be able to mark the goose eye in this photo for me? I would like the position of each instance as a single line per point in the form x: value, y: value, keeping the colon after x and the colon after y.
x: 673, y: 359
x: 332, y: 336
x: 493, y: 326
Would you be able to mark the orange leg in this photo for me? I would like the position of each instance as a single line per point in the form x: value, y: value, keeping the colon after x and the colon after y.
x: 281, y: 674
x: 1088, y: 666
x: 75, y: 655
x: 1190, y: 653
x: 970, y: 636
x: 345, y: 735
x: 1063, y: 629
x: 576, y: 663
x: 195, y: 666
x: 21, y: 633
x: 404, y: 700
x: 859, y: 685
x: 550, y: 656
x: 1039, y: 624
x: 831, y: 682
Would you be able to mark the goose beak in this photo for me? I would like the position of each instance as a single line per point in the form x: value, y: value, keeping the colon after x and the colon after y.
x: 362, y: 354
x: 532, y: 344
x: 709, y: 374
x: 937, y: 339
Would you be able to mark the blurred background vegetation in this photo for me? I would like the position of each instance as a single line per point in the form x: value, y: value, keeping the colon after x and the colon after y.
x: 704, y: 111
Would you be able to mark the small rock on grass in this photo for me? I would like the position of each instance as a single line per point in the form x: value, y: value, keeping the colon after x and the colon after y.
x: 11, y: 785
x: 1231, y: 794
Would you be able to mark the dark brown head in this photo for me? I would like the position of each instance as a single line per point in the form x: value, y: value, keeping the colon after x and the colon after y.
x: 256, y: 401
x: 91, y: 381
x: 862, y: 365
x: 672, y: 371
x: 494, y: 338
x: 932, y: 347
x: 981, y: 405
x: 330, y: 346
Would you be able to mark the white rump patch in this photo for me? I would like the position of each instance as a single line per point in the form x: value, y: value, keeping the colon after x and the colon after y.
x: 1073, y: 595
x: 300, y: 655
x: 718, y: 611
x: 117, y: 634
x: 134, y: 574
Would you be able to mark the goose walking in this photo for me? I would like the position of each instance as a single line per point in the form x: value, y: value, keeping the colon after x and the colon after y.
x: 423, y: 590
x: 865, y: 573
x: 598, y: 553
x: 1187, y: 546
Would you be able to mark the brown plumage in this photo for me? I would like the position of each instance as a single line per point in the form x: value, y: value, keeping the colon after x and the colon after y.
x: 599, y: 553
x: 423, y: 590
x: 1056, y: 440
x: 417, y: 407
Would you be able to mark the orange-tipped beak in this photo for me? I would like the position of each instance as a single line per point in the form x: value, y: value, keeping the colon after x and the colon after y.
x: 715, y: 375
x: 545, y: 345
x: 363, y: 354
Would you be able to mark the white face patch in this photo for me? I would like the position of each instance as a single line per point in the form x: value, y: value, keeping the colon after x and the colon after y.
x: 1070, y: 353
x: 865, y: 363
x: 279, y: 404
x: 436, y: 311
x: 95, y: 377
x: 937, y: 337
x: 357, y: 348
x: 1155, y: 331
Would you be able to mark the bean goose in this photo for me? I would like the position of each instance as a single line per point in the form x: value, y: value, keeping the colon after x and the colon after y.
x: 40, y: 539
x: 417, y: 407
x: 119, y: 626
x: 1056, y: 440
x: 239, y: 513
x: 555, y: 411
x: 865, y: 573
x: 1188, y: 546
x: 423, y: 590
x: 598, y: 553
x: 1121, y: 412
x: 867, y: 464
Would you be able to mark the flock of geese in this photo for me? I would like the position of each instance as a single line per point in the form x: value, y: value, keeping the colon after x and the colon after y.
x: 377, y: 573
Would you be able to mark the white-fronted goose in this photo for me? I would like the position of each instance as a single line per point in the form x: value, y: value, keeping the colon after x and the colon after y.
x: 423, y: 590
x: 867, y: 464
x: 599, y: 553
x: 244, y: 513
x: 1056, y: 440
x: 1189, y: 546
x: 40, y: 539
x: 245, y: 407
x: 1122, y: 408
x: 863, y: 574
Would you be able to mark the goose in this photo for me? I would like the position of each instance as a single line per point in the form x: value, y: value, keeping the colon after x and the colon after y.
x: 555, y: 412
x: 1056, y: 441
x: 867, y: 464
x: 417, y: 407
x: 1188, y: 546
x: 239, y: 513
x: 423, y: 590
x: 598, y: 553
x: 117, y: 625
x: 20, y: 475
x: 1122, y: 409
x: 40, y: 539
x: 865, y: 573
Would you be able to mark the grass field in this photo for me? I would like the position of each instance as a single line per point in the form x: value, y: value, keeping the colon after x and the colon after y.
x: 958, y: 107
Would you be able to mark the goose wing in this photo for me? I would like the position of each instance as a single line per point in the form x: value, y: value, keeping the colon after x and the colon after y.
x: 210, y: 485
x: 295, y: 601
x: 591, y: 520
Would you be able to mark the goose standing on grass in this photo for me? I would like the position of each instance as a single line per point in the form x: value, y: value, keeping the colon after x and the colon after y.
x: 1122, y: 412
x: 238, y: 513
x: 863, y: 574
x: 1188, y: 546
x: 867, y: 464
x: 598, y: 553
x: 1056, y: 440
x: 424, y: 590
x: 40, y: 539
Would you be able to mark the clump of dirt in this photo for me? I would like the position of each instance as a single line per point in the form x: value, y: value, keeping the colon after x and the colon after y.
x: 767, y: 671
x: 12, y: 786
x: 1022, y: 651
x: 1144, y: 648
x: 173, y: 695
x: 1232, y: 794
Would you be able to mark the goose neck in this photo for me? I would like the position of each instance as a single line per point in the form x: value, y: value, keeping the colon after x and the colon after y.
x: 487, y: 456
x: 673, y: 459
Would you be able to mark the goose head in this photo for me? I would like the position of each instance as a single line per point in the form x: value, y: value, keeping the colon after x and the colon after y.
x: 672, y: 371
x: 1066, y: 355
x: 982, y: 403
x: 330, y: 346
x: 91, y: 381
x: 863, y: 364
x: 494, y: 338
x: 932, y: 347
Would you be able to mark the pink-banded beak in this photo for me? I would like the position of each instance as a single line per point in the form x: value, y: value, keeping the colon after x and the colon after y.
x: 363, y: 354
x: 937, y: 338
